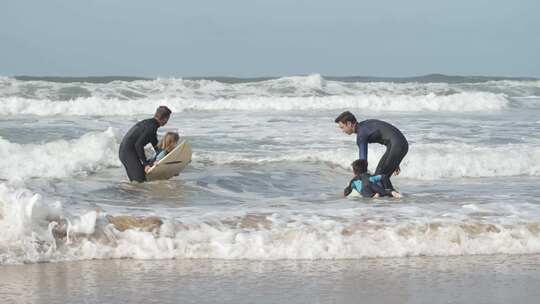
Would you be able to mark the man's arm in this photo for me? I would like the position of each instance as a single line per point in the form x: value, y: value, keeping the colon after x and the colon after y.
x: 148, y: 135
x: 361, y: 141
x: 154, y: 140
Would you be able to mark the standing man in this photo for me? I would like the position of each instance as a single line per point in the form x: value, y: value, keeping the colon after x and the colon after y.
x: 132, y: 146
x: 376, y: 131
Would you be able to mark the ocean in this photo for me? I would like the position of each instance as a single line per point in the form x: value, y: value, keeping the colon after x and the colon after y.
x: 265, y: 184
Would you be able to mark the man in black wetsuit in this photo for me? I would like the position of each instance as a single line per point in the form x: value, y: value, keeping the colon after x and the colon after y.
x: 132, y: 146
x: 376, y: 131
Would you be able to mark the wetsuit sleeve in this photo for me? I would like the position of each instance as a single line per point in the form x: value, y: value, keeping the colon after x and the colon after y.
x: 160, y: 155
x: 154, y: 140
x: 148, y: 135
x: 348, y: 189
x: 357, y: 185
x: 361, y: 141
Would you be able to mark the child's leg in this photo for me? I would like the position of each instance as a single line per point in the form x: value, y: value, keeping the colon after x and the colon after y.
x: 368, y: 191
x: 380, y: 190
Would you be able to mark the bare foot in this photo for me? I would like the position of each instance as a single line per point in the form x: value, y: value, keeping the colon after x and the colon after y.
x: 376, y: 195
x: 396, y: 194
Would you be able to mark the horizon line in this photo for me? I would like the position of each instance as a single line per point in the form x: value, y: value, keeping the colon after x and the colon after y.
x: 432, y: 77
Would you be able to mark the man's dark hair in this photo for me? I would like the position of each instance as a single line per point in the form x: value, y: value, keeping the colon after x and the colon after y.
x: 345, y: 117
x: 162, y: 112
x: 359, y: 166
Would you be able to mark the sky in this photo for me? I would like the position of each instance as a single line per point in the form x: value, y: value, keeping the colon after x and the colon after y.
x: 254, y: 38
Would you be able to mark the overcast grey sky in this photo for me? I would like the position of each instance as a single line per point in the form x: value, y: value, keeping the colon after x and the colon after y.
x: 269, y: 38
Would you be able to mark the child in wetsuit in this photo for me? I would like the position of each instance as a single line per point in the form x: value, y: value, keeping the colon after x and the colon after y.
x: 369, y: 185
x: 167, y: 144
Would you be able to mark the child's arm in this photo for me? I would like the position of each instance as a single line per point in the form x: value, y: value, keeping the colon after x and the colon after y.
x: 161, y: 155
x: 347, y: 189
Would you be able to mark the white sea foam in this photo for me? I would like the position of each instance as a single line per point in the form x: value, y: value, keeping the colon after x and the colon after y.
x: 293, y: 86
x: 451, y: 160
x: 423, y: 161
x: 311, y: 92
x: 97, y: 150
x: 29, y: 223
x: 25, y: 221
x: 461, y: 102
x: 59, y: 158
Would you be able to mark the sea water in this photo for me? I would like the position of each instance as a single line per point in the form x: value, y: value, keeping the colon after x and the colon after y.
x: 268, y: 171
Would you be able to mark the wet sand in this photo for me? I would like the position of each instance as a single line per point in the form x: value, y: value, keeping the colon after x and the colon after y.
x: 471, y: 279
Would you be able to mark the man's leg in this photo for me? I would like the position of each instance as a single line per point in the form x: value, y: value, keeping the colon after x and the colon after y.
x: 386, y: 183
x: 382, y: 162
x: 392, y: 158
x: 134, y: 168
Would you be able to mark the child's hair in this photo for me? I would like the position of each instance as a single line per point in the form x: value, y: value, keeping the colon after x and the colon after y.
x: 169, y: 141
x: 359, y: 166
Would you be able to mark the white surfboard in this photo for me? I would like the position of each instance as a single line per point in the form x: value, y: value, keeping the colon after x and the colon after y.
x: 354, y: 193
x: 172, y: 164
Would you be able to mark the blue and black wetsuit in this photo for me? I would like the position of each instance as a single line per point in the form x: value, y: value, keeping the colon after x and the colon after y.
x: 132, y: 148
x: 378, y: 131
x: 368, y: 185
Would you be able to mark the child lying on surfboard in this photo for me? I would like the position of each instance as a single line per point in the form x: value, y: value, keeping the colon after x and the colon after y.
x: 167, y: 144
x: 369, y: 185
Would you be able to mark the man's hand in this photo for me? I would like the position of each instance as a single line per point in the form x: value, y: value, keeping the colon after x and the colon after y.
x: 398, y: 171
x: 147, y: 168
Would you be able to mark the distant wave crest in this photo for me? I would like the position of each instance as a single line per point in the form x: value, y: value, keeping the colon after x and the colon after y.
x: 460, y: 102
